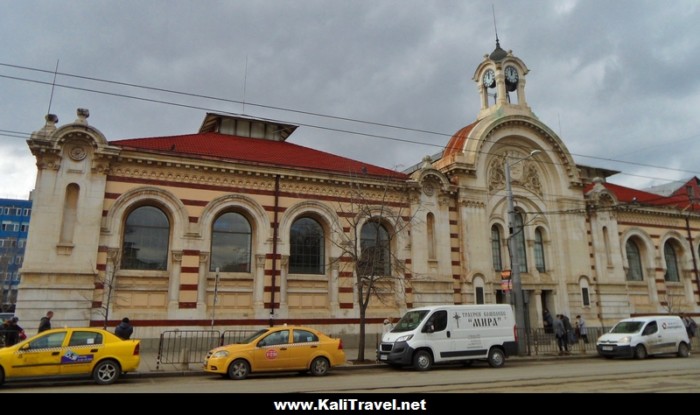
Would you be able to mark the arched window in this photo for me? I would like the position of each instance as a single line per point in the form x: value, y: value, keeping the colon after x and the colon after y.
x: 634, y: 260
x: 496, y: 248
x: 539, y: 250
x: 520, y: 241
x: 230, y: 243
x: 671, y: 263
x: 375, y: 251
x: 306, y: 251
x: 146, y: 237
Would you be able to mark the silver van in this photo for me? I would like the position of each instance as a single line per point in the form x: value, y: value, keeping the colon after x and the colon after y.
x: 639, y: 337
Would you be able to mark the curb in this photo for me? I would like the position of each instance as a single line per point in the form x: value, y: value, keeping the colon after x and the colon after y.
x: 158, y: 373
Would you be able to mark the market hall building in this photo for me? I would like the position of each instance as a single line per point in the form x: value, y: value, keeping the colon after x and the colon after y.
x: 235, y: 226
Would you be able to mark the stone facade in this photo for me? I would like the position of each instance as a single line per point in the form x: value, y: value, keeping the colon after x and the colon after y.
x: 448, y: 220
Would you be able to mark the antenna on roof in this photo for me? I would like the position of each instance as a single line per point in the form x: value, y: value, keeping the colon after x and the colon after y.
x: 53, y: 84
x: 495, y: 29
x: 245, y: 82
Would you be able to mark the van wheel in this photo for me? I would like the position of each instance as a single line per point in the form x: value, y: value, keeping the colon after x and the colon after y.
x: 640, y: 352
x: 683, y: 350
x: 422, y: 360
x: 496, y: 357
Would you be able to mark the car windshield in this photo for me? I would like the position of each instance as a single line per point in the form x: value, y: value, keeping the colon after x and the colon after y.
x: 409, y: 321
x: 627, y: 327
x: 253, y: 336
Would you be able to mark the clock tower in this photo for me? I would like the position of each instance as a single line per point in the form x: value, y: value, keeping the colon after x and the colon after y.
x: 500, y: 79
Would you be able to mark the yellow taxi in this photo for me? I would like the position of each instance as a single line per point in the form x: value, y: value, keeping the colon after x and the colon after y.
x: 277, y: 349
x: 70, y: 352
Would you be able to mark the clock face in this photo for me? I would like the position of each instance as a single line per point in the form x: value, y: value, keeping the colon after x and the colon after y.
x: 489, y: 79
x: 511, y: 75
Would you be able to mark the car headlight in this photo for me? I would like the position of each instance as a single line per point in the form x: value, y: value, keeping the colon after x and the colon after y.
x: 404, y: 338
x: 625, y: 340
x: 220, y: 354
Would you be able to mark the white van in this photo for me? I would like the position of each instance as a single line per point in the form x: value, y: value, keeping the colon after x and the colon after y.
x: 451, y: 333
x: 644, y: 336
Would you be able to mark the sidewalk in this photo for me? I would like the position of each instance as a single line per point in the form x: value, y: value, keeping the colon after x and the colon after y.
x: 150, y: 367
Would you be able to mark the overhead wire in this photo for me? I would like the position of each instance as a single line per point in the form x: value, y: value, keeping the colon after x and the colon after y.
x: 309, y: 125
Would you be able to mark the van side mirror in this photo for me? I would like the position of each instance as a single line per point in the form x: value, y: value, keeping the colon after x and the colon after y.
x: 429, y: 328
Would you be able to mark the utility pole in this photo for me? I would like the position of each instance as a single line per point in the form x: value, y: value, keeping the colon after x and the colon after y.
x: 515, y: 257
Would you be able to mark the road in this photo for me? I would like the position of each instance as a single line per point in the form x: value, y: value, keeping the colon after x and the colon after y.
x: 594, y: 375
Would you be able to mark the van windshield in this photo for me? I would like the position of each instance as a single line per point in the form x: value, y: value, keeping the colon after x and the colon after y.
x: 627, y: 327
x: 410, y: 321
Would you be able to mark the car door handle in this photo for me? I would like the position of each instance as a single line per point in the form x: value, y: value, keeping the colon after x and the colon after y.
x: 54, y: 354
x: 314, y: 346
x: 93, y: 350
x: 448, y: 334
x: 283, y: 348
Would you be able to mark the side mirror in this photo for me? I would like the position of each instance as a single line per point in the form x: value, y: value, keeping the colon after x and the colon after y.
x: 429, y: 328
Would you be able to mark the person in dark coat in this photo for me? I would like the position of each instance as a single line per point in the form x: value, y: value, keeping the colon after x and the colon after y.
x: 560, y: 333
x: 124, y: 329
x: 45, y: 323
x: 13, y: 332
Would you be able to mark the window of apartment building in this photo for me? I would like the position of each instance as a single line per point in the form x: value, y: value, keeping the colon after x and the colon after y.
x: 26, y: 212
x: 671, y: 263
x: 231, y: 240
x: 306, y: 247
x: 146, y: 236
x: 24, y: 227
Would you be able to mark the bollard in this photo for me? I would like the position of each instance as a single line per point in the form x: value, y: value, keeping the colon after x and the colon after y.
x: 185, y: 359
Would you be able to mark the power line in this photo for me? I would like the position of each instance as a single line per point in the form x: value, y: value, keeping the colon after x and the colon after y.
x: 369, y: 135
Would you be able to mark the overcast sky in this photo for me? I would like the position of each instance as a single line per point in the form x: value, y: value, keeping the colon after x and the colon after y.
x: 618, y: 80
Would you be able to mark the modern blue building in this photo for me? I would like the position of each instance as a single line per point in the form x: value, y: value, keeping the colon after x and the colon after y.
x: 14, y: 226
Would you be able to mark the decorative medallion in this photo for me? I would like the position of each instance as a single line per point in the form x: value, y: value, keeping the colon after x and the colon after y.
x: 428, y: 188
x: 77, y: 153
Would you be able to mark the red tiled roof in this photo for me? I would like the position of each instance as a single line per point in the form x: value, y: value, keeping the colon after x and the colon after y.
x: 679, y: 199
x: 255, y: 151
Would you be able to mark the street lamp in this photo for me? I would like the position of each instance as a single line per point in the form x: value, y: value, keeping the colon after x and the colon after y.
x: 515, y: 258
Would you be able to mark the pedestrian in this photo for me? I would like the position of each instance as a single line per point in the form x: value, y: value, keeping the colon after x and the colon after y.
x: 124, y: 329
x: 547, y: 321
x: 560, y: 334
x: 581, y: 328
x: 570, y: 335
x: 13, y: 332
x: 45, y: 323
x: 690, y: 327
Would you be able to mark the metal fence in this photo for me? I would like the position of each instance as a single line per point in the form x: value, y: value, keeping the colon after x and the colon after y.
x: 191, y: 346
x: 188, y: 346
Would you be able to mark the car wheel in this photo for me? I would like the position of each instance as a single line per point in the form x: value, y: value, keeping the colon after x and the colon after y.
x: 422, y: 360
x: 496, y: 357
x: 683, y: 350
x: 640, y: 352
x: 320, y: 366
x: 106, y: 372
x: 238, y: 369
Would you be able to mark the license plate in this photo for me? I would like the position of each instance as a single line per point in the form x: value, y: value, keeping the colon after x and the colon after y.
x: 383, y: 357
x: 607, y: 348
